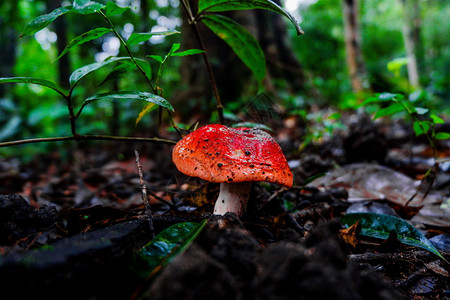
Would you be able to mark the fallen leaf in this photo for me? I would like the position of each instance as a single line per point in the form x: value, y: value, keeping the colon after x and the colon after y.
x: 349, y: 235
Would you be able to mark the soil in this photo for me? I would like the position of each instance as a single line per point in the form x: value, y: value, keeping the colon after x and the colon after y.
x: 69, y: 229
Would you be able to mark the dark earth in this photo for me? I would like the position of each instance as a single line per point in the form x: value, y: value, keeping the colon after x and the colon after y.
x: 69, y: 225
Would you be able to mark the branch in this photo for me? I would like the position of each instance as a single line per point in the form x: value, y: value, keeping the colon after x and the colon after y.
x: 374, y: 258
x: 87, y: 137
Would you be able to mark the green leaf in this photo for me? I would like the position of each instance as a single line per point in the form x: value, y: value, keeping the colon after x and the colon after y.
x: 118, y: 71
x: 421, y: 110
x: 389, y: 111
x: 241, y: 41
x: 86, y: 7
x: 32, y: 80
x: 421, y: 127
x: 85, y: 37
x: 156, y: 57
x: 442, y: 135
x: 387, y: 96
x: 226, y: 5
x: 175, y: 47
x: 125, y: 95
x: 379, y: 226
x: 396, y: 64
x: 145, y: 65
x: 136, y: 38
x: 113, y: 9
x: 44, y: 20
x: 78, y: 74
x: 164, y: 247
x: 369, y: 101
x: 436, y: 119
x: 11, y: 127
x: 188, y: 52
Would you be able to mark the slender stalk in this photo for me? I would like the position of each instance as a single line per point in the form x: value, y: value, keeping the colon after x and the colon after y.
x: 148, y: 209
x: 212, y: 80
x: 79, y: 137
x: 125, y: 45
x: 72, y: 116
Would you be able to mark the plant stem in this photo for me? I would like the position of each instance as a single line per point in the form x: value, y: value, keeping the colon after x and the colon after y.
x: 72, y: 116
x: 148, y: 209
x: 212, y: 80
x: 79, y: 137
x: 125, y: 45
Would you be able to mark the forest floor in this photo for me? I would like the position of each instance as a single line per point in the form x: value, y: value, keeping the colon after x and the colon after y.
x: 70, y: 223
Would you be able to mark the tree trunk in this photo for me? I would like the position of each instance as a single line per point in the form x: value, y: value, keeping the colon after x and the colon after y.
x: 355, y: 61
x: 144, y: 25
x: 64, y: 63
x: 281, y: 61
x: 8, y: 45
x: 411, y: 36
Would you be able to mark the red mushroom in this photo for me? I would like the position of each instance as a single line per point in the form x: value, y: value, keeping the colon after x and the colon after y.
x: 235, y: 157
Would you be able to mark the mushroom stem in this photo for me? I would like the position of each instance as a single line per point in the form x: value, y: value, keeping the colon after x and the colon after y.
x: 233, y: 197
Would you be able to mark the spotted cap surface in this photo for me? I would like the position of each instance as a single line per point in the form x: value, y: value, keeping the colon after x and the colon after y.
x: 217, y: 153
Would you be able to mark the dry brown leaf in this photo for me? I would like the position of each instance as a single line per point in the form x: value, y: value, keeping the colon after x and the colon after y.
x: 349, y: 235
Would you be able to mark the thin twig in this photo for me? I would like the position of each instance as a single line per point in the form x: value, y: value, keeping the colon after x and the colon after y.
x: 130, y: 54
x: 145, y: 197
x: 373, y: 258
x: 86, y: 137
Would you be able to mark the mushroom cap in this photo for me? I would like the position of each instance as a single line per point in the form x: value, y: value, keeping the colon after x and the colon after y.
x: 217, y: 153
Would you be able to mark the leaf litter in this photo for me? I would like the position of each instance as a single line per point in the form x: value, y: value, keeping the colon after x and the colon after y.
x: 98, y: 195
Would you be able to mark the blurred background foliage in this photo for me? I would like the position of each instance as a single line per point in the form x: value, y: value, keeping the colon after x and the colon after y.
x: 28, y: 111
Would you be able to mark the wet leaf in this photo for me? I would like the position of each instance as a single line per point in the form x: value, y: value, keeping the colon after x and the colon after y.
x: 157, y: 58
x: 78, y: 74
x: 145, y: 65
x: 86, y: 7
x: 436, y: 119
x: 118, y: 71
x: 139, y: 37
x: 380, y: 226
x: 421, y: 127
x: 113, y: 9
x: 164, y: 247
x: 43, y: 21
x: 32, y: 80
x: 389, y: 111
x: 85, y: 37
x: 241, y: 41
x: 226, y: 5
x: 188, y: 52
x: 421, y: 110
x: 125, y: 95
x: 387, y: 96
x: 442, y: 135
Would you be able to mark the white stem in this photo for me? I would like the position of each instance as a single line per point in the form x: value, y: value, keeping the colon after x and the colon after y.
x: 233, y: 197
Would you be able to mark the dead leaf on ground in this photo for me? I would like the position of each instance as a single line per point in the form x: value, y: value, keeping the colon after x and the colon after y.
x: 374, y: 182
x: 349, y: 235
